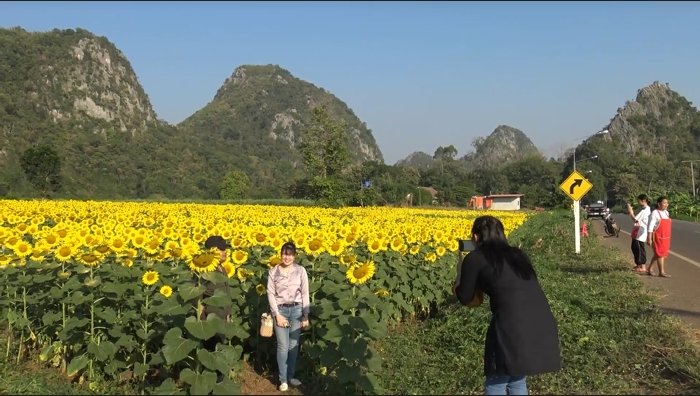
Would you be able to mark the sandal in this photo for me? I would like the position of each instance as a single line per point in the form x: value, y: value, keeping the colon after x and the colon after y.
x: 665, y: 275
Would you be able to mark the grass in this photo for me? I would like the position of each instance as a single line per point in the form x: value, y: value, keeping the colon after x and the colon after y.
x: 613, y: 338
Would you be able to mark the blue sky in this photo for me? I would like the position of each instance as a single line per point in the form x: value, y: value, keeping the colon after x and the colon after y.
x: 420, y: 74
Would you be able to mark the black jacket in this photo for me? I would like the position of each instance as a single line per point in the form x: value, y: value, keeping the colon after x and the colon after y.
x: 522, y: 338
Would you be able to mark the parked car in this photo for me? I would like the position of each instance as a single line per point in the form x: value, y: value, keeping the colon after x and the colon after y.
x: 597, y: 210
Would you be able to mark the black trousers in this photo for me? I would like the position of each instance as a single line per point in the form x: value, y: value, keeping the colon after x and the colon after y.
x: 639, y: 252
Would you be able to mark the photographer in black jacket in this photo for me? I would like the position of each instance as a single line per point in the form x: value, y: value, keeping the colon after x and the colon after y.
x: 522, y: 338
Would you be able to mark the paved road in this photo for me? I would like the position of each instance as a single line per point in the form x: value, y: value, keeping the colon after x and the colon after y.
x: 685, y: 238
x: 680, y: 294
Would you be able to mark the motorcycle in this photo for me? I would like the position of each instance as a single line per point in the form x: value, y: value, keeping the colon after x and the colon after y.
x: 611, y: 227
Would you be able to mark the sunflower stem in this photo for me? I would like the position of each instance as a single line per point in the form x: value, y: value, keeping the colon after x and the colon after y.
x: 144, y: 351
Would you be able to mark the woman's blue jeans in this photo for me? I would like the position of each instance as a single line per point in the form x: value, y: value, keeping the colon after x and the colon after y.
x: 499, y: 384
x: 288, y: 342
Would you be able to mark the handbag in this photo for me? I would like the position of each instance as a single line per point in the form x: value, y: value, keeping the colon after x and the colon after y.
x: 266, y: 325
x: 635, y: 232
x: 477, y: 300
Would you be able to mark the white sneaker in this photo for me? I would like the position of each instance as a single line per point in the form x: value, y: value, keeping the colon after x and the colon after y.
x: 294, y: 382
x: 283, y: 387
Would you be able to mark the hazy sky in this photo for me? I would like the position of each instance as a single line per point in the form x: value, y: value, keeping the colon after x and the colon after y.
x: 420, y: 74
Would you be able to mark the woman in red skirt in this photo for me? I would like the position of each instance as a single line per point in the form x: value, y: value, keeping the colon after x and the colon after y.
x: 660, y: 235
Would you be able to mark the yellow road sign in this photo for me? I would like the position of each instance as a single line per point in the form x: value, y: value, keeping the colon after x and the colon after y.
x: 575, y: 186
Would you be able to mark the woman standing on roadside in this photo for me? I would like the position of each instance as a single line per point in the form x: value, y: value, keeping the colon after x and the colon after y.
x: 660, y: 236
x: 522, y: 338
x: 288, y: 296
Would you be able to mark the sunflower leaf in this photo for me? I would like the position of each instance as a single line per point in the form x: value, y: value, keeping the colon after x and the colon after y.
x: 227, y: 387
x: 201, y: 329
x: 76, y: 365
x: 191, y: 292
x: 176, y: 348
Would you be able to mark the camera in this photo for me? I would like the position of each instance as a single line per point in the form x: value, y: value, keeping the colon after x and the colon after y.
x: 466, y: 245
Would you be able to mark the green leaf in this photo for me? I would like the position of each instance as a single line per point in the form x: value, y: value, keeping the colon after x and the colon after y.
x: 171, y: 307
x: 168, y: 387
x: 114, y: 288
x: 175, y: 347
x: 358, y: 323
x: 213, y: 361
x: 50, y: 318
x: 108, y: 314
x: 201, y: 384
x: 347, y: 303
x: 76, y: 365
x: 202, y: 329
x: 219, y: 299
x: 348, y: 374
x: 227, y: 387
x: 191, y: 292
x: 140, y: 369
x: 334, y: 332
x: 353, y: 350
x: 330, y: 356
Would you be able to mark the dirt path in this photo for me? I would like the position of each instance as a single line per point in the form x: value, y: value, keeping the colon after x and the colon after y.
x: 678, y: 295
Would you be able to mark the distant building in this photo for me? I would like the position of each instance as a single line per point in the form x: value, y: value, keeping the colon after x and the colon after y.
x: 495, y: 202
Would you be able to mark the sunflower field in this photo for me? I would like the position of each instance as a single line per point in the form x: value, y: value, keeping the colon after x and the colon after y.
x: 116, y: 290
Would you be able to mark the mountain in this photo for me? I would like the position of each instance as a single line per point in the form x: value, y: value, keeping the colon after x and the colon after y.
x: 658, y: 121
x: 257, y: 120
x: 419, y: 160
x: 648, y: 139
x: 77, y: 93
x: 503, y: 146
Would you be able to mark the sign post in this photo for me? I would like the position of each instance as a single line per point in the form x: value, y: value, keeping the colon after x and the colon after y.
x: 576, y: 186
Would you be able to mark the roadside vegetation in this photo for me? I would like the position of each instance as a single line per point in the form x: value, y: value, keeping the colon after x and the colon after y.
x: 614, y: 339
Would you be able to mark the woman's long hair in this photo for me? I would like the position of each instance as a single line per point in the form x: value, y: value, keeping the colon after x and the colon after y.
x: 491, y: 241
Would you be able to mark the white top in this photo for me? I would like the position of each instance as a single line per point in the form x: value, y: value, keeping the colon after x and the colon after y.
x: 656, y: 217
x: 642, y: 220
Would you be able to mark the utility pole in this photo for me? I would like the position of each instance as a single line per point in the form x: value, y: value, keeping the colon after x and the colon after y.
x: 692, y: 173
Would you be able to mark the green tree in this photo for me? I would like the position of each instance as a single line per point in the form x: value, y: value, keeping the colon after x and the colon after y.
x: 234, y: 185
x: 42, y: 167
x: 325, y: 154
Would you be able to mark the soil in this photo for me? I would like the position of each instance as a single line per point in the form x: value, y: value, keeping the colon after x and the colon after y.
x: 253, y: 383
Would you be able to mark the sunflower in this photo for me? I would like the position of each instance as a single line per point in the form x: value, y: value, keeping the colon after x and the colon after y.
x: 149, y: 278
x: 204, y: 262
x: 4, y: 260
x: 348, y: 259
x: 89, y: 259
x: 431, y: 257
x: 152, y: 246
x: 274, y: 260
x: 103, y: 249
x: 414, y: 249
x: 243, y: 274
x: 239, y: 257
x: 229, y: 268
x: 397, y: 244
x: 166, y: 291
x: 117, y: 244
x: 374, y: 246
x: 315, y: 246
x: 336, y: 248
x: 360, y: 272
x: 22, y: 249
x: 63, y: 253
x: 440, y: 251
x: 260, y: 289
x: 383, y: 293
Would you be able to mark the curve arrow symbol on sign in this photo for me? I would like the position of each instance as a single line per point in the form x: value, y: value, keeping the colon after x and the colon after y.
x: 576, y: 183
